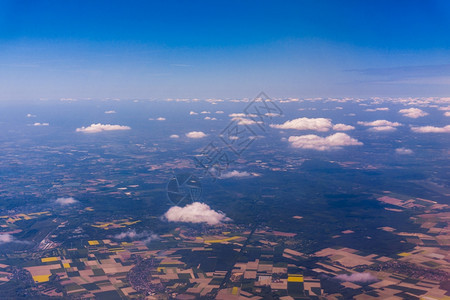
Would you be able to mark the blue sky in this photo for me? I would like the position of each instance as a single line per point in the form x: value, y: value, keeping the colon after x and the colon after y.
x: 223, y: 49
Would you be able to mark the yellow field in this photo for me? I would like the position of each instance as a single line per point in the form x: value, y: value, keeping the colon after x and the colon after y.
x: 48, y: 259
x: 235, y: 290
x: 41, y: 278
x: 295, y: 278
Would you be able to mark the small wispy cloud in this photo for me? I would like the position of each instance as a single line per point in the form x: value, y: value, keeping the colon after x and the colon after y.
x: 381, y: 125
x: 378, y: 109
x: 343, y: 127
x: 95, y: 128
x: 403, y: 151
x: 6, y: 238
x: 41, y: 124
x: 132, y: 235
x: 66, y: 201
x: 235, y: 174
x: 431, y: 129
x: 196, y: 134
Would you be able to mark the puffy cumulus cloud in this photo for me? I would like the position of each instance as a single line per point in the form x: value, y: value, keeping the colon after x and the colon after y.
x: 413, y: 112
x: 205, y: 112
x: 31, y: 116
x: 144, y: 236
x: 209, y: 118
x: 378, y: 123
x: 66, y: 201
x: 357, y: 277
x: 41, y: 124
x: 343, y: 127
x: 235, y: 174
x: 317, y: 124
x: 95, y: 128
x: 332, y: 142
x: 195, y: 134
x: 174, y: 136
x: 403, y: 151
x: 219, y: 112
x: 446, y: 108
x: 108, y: 112
x: 193, y: 113
x: 447, y: 114
x: 195, y: 213
x: 378, y: 109
x: 160, y: 119
x: 431, y: 129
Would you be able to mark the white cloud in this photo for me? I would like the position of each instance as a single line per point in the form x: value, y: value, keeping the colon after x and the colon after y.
x: 66, y: 201
x: 403, y: 151
x: 209, y: 118
x: 205, y: 112
x: 145, y: 236
x: 431, y: 129
x: 174, y: 136
x: 237, y: 115
x: 317, y: 124
x: 110, y: 112
x: 447, y: 114
x: 195, y: 213
x: 40, y: 124
x: 380, y: 123
x: 332, y: 142
x: 357, y: 277
x: 6, y: 238
x: 219, y: 112
x: 413, y: 112
x: 94, y: 128
x: 235, y: 174
x: 9, y: 238
x: 160, y: 119
x: 378, y: 109
x: 343, y: 127
x: 383, y: 128
x: 244, y: 121
x: 196, y: 135
x: 192, y: 113
x: 31, y: 116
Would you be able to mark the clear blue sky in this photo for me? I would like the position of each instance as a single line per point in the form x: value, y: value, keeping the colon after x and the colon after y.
x: 223, y: 49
